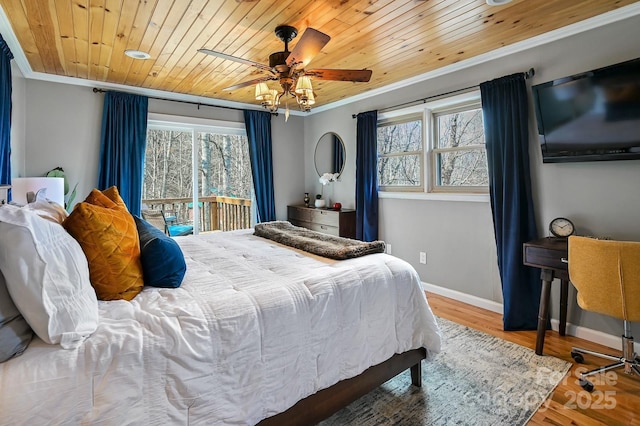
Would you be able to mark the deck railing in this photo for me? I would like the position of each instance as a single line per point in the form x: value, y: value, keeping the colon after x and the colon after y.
x: 216, y: 213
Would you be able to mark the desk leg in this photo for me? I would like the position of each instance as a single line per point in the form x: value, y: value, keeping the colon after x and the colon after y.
x: 564, y: 290
x: 547, y: 277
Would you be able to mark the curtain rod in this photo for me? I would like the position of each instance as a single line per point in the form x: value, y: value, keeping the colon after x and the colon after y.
x: 198, y: 104
x: 527, y: 75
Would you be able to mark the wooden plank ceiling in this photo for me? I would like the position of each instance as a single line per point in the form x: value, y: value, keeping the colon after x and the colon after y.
x: 397, y: 39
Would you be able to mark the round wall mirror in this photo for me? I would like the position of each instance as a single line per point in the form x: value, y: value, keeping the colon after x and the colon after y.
x: 330, y: 154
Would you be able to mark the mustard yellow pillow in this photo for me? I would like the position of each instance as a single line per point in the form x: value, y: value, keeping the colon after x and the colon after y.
x: 113, y: 195
x: 98, y: 198
x: 108, y: 236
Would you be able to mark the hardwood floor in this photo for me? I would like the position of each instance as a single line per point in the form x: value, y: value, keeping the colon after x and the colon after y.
x: 615, y: 400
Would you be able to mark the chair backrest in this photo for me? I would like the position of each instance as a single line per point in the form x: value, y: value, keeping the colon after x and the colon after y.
x: 156, y: 218
x: 606, y: 274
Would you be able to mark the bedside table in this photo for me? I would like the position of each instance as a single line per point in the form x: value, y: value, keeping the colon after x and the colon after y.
x: 3, y: 194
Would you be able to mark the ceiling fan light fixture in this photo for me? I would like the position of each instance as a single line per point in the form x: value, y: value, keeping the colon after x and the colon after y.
x: 262, y: 91
x: 288, y: 69
x: 306, y: 101
x: 303, y: 86
x: 273, y: 98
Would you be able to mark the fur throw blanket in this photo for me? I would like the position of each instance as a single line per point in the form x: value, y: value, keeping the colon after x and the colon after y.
x: 316, y: 242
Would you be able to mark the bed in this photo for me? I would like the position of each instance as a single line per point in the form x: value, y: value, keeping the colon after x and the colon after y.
x: 257, y: 333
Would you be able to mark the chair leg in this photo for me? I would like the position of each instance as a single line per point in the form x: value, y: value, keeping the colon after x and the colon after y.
x: 629, y: 360
x: 598, y: 354
x: 603, y: 369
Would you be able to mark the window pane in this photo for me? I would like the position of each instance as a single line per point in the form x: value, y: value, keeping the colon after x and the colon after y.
x: 167, y: 165
x: 401, y: 170
x: 224, y: 165
x: 462, y: 168
x: 400, y: 137
x: 460, y: 129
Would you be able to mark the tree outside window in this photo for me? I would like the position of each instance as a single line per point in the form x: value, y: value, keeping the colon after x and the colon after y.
x: 400, y: 154
x: 459, y: 153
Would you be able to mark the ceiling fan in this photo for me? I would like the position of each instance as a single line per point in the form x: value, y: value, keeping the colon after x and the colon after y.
x: 288, y: 69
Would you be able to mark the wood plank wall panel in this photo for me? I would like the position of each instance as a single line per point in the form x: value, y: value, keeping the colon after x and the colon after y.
x: 397, y: 39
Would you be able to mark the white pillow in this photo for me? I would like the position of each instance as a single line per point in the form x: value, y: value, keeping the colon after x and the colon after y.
x: 48, y: 210
x: 47, y: 276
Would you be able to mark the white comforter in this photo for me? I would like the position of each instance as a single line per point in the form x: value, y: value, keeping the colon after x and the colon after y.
x: 254, y: 328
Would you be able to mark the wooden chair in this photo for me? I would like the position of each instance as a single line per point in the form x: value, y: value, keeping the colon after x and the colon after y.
x: 607, y: 276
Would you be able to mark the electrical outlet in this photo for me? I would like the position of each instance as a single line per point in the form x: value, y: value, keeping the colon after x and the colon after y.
x: 423, y: 257
x: 387, y: 248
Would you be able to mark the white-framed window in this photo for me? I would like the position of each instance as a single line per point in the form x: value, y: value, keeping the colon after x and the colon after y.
x: 447, y: 155
x: 401, y: 153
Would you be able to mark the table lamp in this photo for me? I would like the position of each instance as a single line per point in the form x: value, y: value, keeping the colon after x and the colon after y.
x: 54, y: 187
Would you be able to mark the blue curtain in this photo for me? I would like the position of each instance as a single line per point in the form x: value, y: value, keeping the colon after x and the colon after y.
x: 123, y: 143
x: 337, y: 154
x: 258, y: 124
x: 5, y: 112
x: 505, y: 109
x: 367, y: 176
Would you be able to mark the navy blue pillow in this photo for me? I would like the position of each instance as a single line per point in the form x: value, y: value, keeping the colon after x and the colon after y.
x: 162, y: 260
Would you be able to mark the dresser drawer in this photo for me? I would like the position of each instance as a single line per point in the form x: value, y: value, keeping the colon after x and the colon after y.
x: 325, y: 217
x: 326, y: 229
x: 301, y: 214
x: 544, y: 258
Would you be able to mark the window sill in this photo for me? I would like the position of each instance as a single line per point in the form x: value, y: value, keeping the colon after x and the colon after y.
x: 435, y: 196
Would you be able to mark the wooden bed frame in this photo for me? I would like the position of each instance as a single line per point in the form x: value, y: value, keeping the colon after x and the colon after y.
x: 325, y: 402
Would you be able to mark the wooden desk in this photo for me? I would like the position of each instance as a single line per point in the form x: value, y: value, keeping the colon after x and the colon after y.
x: 550, y: 255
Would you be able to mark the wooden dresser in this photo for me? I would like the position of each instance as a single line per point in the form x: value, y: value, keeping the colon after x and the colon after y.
x: 334, y: 222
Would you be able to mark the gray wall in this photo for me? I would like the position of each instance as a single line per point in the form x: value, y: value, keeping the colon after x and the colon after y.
x: 602, y: 198
x: 63, y: 129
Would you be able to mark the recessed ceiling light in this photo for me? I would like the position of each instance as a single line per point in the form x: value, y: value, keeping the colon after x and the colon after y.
x: 137, y: 54
x: 497, y: 2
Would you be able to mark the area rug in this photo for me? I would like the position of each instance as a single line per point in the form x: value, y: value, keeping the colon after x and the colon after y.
x: 476, y: 379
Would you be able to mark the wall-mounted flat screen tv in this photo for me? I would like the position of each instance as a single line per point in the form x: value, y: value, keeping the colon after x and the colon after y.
x: 591, y: 116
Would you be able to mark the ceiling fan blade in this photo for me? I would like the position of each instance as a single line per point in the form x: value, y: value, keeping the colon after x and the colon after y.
x: 340, y: 75
x: 310, y: 44
x: 235, y: 58
x: 249, y: 83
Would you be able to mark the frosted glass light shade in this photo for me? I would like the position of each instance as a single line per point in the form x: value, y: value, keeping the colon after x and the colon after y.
x: 303, y: 85
x: 311, y: 99
x: 273, y: 97
x: 54, y: 188
x: 262, y: 91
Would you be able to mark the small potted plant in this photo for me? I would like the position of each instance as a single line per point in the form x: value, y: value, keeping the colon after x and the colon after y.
x: 325, y: 179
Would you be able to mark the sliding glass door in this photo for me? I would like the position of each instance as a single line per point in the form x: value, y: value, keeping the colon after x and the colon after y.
x: 198, y: 174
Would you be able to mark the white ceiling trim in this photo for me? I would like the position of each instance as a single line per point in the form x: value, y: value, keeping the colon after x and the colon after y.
x: 606, y: 18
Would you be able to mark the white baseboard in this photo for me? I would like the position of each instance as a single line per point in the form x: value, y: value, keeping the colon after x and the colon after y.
x: 589, y: 334
x: 463, y: 297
